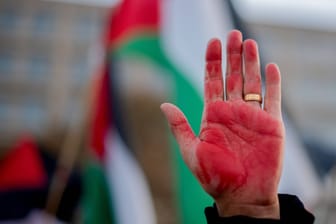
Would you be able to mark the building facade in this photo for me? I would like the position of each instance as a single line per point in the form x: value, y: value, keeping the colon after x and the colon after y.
x: 44, y: 63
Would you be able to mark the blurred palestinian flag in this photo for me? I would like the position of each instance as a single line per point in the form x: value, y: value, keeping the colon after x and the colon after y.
x: 115, y: 188
x: 168, y: 37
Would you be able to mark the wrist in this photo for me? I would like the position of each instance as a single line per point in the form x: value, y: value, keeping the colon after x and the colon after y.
x: 291, y: 211
x: 270, y: 210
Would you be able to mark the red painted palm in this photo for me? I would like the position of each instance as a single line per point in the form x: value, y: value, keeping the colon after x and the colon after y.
x: 238, y: 152
x: 237, y: 156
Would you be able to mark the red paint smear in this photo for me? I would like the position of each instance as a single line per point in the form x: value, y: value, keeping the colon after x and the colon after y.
x: 234, y: 53
x: 235, y: 64
x: 214, y: 51
x: 22, y: 167
x: 273, y: 74
x: 234, y: 82
x: 234, y: 44
x: 213, y: 81
x: 256, y: 120
x: 252, y: 68
x: 251, y: 50
x: 214, y: 69
x: 213, y: 90
x: 240, y: 151
x: 132, y: 15
x: 214, y: 77
x: 253, y: 83
x: 219, y: 164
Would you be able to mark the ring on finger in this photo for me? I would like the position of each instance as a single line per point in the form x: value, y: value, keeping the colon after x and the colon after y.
x: 253, y: 97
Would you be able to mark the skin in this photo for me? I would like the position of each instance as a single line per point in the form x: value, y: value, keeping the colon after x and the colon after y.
x: 237, y: 157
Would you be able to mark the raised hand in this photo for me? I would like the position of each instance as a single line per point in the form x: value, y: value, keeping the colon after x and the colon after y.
x: 237, y: 156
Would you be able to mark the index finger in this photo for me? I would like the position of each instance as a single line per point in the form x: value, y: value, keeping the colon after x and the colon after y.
x: 213, y: 83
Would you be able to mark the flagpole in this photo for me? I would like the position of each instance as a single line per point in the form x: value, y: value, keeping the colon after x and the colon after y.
x: 69, y: 152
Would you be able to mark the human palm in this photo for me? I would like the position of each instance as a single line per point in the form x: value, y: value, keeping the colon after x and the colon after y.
x: 237, y: 152
x: 237, y: 156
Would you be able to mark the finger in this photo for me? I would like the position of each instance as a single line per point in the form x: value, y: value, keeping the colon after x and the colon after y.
x: 252, y: 78
x: 234, y: 76
x: 273, y: 91
x: 181, y: 129
x: 213, y: 84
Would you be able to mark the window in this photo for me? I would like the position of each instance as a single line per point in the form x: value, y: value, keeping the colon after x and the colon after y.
x: 43, y: 23
x: 79, y: 70
x: 38, y: 67
x: 84, y: 27
x: 5, y: 110
x: 33, y: 115
x: 8, y: 19
x: 6, y: 64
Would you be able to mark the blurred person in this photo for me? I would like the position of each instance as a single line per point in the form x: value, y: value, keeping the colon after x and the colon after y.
x: 26, y: 172
x: 238, y: 155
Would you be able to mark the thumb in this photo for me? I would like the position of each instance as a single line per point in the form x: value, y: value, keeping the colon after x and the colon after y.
x: 181, y: 129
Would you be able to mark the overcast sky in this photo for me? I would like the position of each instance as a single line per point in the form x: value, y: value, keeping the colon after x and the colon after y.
x: 316, y: 14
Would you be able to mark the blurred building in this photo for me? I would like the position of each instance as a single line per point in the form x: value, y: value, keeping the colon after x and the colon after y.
x: 44, y: 64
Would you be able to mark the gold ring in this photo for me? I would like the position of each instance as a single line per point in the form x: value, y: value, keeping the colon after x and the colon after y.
x: 253, y: 97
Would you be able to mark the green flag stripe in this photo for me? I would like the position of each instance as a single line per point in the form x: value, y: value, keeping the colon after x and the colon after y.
x: 97, y: 206
x: 191, y: 196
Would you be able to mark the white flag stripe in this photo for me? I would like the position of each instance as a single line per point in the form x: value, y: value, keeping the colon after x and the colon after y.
x: 299, y: 176
x: 187, y: 26
x: 130, y: 192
